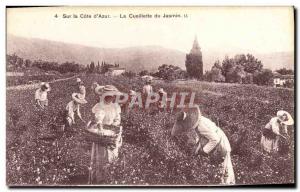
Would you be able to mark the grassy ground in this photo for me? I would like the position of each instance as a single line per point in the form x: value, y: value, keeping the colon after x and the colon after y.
x: 39, y: 153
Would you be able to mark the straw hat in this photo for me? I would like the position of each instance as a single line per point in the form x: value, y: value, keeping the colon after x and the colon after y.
x: 110, y: 90
x: 132, y: 93
x: 285, y: 118
x: 186, y: 120
x: 99, y: 89
x: 78, y: 80
x: 161, y: 90
x: 46, y: 86
x: 148, y: 80
x: 77, y: 97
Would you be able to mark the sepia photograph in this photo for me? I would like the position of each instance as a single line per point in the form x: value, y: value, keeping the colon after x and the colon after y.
x: 165, y: 96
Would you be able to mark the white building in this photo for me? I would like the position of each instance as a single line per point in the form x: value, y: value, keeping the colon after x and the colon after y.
x: 283, y: 80
x: 114, y: 71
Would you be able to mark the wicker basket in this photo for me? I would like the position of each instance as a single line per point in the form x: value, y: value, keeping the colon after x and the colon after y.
x: 103, y: 139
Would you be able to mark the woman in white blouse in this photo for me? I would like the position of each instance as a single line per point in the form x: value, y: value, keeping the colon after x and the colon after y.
x: 41, y: 95
x: 81, y: 88
x: 106, y: 112
x: 72, y: 108
x: 216, y: 145
x: 275, y: 130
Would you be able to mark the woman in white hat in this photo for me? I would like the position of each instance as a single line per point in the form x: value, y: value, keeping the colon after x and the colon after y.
x: 78, y: 80
x: 276, y: 130
x: 81, y: 88
x: 73, y: 107
x: 107, y: 112
x: 147, y: 90
x: 131, y: 98
x: 41, y: 95
x: 216, y: 147
x: 162, y: 102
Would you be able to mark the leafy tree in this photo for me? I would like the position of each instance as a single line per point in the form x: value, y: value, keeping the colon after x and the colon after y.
x: 228, y: 66
x: 104, y: 68
x: 27, y: 63
x: 129, y: 74
x: 144, y: 72
x: 69, y: 67
x: 240, y: 59
x: 170, y: 72
x: 20, y: 62
x: 98, y: 69
x: 235, y: 69
x: 215, y: 74
x: 217, y: 65
x: 248, y: 79
x: 284, y: 71
x: 263, y: 77
x: 252, y: 64
x: 92, y: 67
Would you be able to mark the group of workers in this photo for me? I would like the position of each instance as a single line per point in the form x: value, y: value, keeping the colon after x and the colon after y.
x: 210, y: 141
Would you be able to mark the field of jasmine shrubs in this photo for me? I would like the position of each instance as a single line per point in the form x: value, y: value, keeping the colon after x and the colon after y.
x: 38, y: 152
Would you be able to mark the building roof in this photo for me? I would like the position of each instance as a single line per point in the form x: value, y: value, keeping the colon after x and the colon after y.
x: 278, y: 75
x: 115, y: 68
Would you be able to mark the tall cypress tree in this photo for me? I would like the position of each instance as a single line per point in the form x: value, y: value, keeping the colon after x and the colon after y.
x: 193, y: 62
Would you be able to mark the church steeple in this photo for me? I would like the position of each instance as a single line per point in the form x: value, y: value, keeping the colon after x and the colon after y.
x: 196, y: 48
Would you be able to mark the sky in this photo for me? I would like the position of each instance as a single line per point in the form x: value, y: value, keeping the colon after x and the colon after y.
x: 223, y: 29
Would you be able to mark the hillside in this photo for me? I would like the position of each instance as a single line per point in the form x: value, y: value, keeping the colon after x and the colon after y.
x: 132, y: 58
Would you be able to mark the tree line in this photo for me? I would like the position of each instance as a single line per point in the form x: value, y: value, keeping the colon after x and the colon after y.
x: 15, y: 62
x: 101, y: 69
x: 239, y: 69
x: 242, y: 68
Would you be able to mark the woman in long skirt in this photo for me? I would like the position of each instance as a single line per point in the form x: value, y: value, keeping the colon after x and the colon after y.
x: 107, y: 112
x: 276, y: 130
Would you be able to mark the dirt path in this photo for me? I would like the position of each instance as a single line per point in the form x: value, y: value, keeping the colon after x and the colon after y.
x: 36, y: 85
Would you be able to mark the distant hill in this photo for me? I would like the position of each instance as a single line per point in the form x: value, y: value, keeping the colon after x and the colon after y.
x: 132, y: 58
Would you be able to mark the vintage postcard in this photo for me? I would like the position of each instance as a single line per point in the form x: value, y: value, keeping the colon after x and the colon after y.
x: 150, y: 96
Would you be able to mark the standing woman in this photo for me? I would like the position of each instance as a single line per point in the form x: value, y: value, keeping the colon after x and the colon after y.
x: 162, y: 102
x: 107, y: 113
x: 147, y: 91
x: 275, y: 131
x: 216, y: 147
